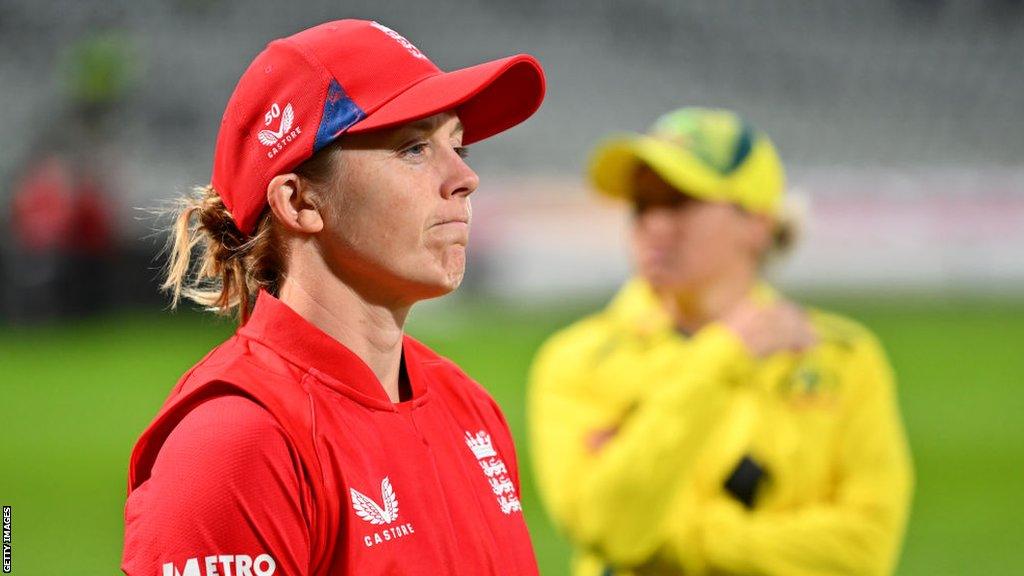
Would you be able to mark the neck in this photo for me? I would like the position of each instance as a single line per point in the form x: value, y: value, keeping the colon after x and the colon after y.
x: 693, y: 308
x: 372, y: 331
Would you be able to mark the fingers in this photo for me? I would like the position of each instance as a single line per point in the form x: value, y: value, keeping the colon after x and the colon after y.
x: 798, y: 332
x: 776, y: 327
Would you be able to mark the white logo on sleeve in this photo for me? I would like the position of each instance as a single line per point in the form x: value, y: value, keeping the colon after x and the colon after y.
x: 224, y: 565
x: 285, y: 133
x: 380, y: 514
x: 495, y: 471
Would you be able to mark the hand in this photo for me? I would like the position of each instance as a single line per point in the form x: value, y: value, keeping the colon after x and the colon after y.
x: 770, y: 328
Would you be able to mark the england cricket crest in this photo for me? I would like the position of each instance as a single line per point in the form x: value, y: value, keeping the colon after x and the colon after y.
x: 493, y: 468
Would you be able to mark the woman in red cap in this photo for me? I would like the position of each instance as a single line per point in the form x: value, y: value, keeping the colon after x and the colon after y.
x: 320, y: 439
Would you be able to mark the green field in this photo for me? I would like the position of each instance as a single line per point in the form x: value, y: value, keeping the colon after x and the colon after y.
x: 75, y: 396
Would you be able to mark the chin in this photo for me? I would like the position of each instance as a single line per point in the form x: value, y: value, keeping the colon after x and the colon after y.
x: 454, y: 280
x: 427, y: 278
x: 442, y: 284
x: 663, y: 281
x: 657, y: 276
x: 452, y: 269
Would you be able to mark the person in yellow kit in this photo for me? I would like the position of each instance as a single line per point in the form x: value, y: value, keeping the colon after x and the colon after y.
x: 702, y: 423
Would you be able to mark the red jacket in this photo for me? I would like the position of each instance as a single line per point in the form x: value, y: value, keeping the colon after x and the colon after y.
x: 280, y: 454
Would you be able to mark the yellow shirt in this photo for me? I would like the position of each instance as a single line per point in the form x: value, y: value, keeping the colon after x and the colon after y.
x: 635, y: 429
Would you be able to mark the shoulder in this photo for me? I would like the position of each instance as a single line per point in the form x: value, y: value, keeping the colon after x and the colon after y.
x: 852, y: 351
x: 570, y: 358
x: 633, y: 316
x: 580, y: 341
x: 841, y: 332
x: 225, y: 478
x: 230, y: 434
x: 240, y: 359
x: 225, y: 454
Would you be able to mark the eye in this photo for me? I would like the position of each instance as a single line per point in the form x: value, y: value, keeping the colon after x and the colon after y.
x: 462, y: 151
x: 416, y: 149
x: 640, y: 208
x: 670, y: 201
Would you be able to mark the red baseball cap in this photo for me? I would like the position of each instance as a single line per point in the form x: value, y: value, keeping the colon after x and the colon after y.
x: 304, y: 91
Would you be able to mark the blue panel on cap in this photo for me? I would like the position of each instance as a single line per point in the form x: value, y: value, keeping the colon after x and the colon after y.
x: 340, y: 113
x: 744, y: 145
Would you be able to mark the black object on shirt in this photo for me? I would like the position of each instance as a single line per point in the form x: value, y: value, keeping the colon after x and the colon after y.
x: 744, y: 481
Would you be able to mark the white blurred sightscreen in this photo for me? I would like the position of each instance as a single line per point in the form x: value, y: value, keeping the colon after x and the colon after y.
x: 876, y: 231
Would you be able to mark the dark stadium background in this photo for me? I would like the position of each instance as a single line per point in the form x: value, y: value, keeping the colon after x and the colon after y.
x: 900, y: 122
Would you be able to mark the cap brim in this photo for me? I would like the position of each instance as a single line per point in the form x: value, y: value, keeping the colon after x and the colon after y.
x: 614, y: 162
x: 489, y: 98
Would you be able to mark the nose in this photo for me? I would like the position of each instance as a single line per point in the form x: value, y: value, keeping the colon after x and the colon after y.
x: 461, y: 180
x: 657, y: 220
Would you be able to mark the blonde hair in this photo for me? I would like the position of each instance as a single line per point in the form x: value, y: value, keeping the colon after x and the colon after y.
x: 211, y: 262
x: 789, y: 226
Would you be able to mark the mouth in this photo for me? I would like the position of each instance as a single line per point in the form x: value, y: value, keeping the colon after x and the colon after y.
x: 451, y: 231
x: 458, y: 222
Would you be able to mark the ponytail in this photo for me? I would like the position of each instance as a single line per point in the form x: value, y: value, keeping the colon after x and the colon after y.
x: 211, y: 262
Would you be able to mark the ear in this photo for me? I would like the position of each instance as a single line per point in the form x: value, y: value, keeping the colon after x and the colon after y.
x: 293, y: 204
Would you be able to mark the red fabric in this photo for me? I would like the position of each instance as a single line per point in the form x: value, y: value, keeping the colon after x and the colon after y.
x: 489, y: 98
x: 226, y: 480
x: 56, y: 209
x: 319, y: 464
x: 43, y: 210
x: 93, y: 227
x: 388, y: 81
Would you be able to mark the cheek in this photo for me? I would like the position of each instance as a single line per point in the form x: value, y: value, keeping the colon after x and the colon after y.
x: 702, y: 243
x: 374, y: 219
x: 393, y: 234
x: 721, y: 241
x: 382, y: 224
x: 708, y: 234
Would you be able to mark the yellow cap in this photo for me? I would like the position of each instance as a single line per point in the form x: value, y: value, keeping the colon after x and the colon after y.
x: 706, y: 153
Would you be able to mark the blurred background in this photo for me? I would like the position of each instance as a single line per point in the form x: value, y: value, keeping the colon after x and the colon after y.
x: 901, y: 123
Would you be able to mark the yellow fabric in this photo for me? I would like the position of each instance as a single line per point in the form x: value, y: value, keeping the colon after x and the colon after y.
x: 634, y: 429
x: 688, y: 148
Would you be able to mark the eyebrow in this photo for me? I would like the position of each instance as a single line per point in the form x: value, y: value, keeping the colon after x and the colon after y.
x: 430, y: 124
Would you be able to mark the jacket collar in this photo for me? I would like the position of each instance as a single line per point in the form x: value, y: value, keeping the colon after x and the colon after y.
x: 275, y: 325
x: 637, y: 308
